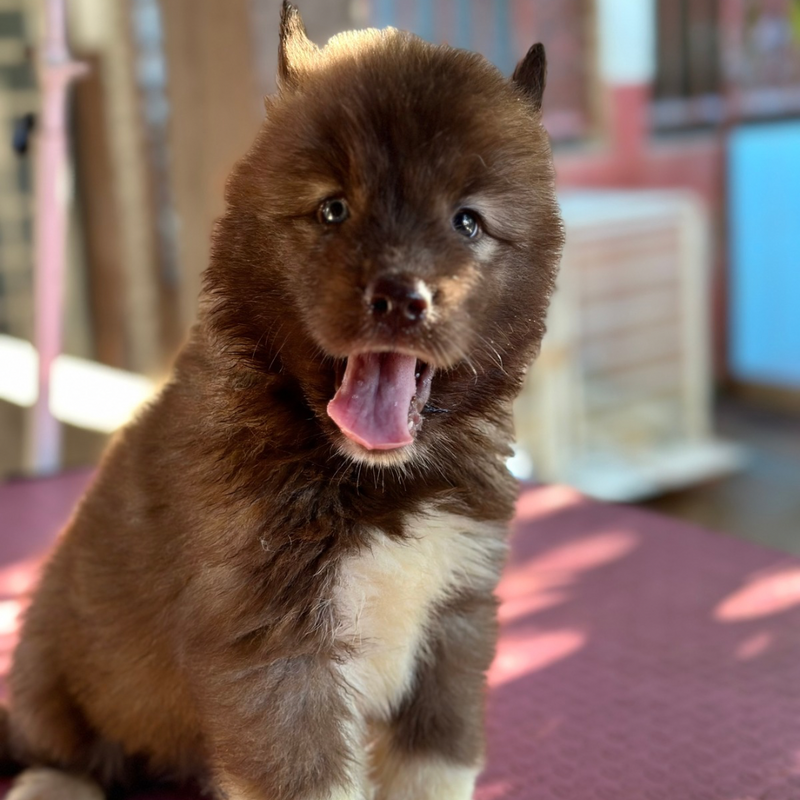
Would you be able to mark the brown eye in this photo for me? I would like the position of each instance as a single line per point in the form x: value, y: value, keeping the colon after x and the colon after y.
x: 333, y: 211
x: 466, y: 223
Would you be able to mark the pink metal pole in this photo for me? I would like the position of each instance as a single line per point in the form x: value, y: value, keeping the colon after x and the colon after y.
x: 56, y: 71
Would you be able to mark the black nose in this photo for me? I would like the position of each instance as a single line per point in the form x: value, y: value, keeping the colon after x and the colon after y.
x: 397, y: 299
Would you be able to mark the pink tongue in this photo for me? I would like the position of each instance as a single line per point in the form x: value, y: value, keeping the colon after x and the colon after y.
x: 373, y: 402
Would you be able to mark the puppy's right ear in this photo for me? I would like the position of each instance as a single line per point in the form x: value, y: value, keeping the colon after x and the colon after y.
x: 296, y: 51
x: 531, y: 74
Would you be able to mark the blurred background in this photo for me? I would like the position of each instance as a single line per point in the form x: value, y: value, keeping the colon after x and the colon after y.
x: 670, y: 374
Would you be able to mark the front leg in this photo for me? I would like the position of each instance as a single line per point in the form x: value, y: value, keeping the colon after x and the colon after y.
x: 433, y: 747
x: 285, y: 731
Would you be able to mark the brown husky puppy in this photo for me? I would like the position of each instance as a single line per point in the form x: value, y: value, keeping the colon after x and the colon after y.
x: 280, y: 585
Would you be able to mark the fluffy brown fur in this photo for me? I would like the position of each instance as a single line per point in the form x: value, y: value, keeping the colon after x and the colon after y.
x: 245, y: 598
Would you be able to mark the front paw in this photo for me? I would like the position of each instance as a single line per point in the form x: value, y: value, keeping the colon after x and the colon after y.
x: 234, y: 791
x: 413, y: 778
x: 42, y: 783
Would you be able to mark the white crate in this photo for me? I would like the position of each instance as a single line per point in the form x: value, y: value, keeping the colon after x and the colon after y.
x: 619, y: 402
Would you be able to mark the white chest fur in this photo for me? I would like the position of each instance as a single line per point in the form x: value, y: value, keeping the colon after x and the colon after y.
x: 385, y: 595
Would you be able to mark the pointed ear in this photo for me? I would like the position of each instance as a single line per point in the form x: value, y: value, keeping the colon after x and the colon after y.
x: 296, y: 50
x: 531, y: 73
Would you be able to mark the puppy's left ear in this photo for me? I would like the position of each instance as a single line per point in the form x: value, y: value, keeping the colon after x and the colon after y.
x: 296, y: 50
x: 531, y: 75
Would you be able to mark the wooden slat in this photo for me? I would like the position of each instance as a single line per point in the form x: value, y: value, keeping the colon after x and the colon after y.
x: 702, y: 48
x: 648, y: 343
x: 215, y: 110
x: 669, y: 76
x: 619, y: 312
x: 100, y: 217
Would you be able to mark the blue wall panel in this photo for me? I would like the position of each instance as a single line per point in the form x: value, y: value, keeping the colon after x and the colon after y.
x: 764, y: 237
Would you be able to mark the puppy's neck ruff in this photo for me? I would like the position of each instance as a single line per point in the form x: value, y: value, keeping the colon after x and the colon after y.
x: 388, y: 594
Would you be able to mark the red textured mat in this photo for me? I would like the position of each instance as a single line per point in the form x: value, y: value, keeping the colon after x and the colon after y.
x: 640, y: 659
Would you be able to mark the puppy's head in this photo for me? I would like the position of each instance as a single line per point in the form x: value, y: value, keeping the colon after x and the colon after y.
x: 392, y: 237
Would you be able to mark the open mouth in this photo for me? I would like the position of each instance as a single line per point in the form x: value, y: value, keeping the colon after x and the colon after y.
x: 380, y: 400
